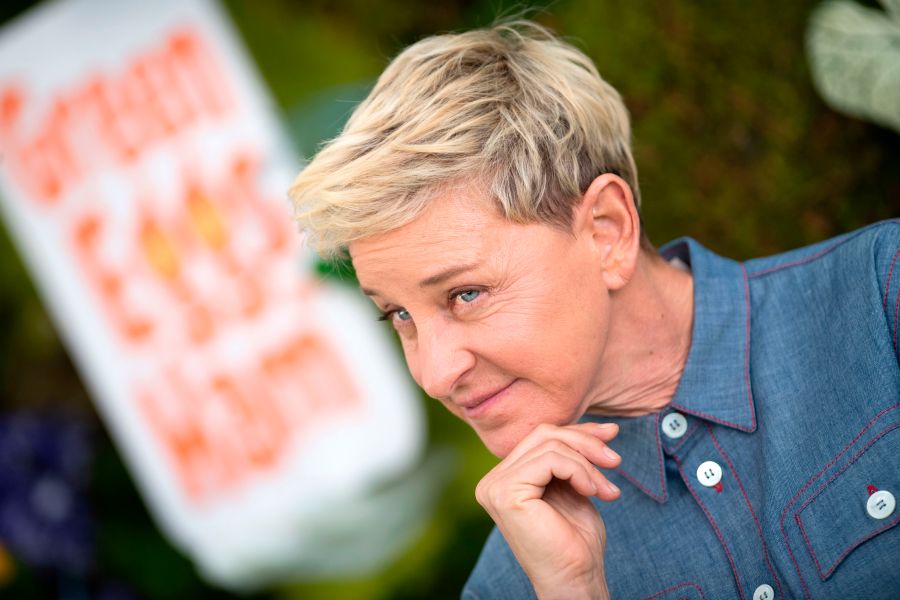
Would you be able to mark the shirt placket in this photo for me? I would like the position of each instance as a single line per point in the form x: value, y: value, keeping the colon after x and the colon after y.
x: 709, y: 473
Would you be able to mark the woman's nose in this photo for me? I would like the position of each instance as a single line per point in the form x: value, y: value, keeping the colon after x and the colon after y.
x: 442, y: 358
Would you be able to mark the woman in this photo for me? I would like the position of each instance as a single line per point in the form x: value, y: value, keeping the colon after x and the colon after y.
x: 488, y: 198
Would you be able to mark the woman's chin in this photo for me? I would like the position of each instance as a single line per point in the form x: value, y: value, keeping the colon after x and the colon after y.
x: 500, y: 443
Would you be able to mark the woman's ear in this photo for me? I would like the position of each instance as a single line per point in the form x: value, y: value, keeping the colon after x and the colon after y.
x: 609, y: 220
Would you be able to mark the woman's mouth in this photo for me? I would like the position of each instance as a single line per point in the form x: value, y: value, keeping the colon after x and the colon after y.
x: 477, y: 406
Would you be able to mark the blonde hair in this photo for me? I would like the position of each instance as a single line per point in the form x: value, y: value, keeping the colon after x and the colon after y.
x: 512, y: 108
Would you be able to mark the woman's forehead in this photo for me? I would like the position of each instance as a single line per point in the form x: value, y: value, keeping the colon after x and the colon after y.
x: 456, y: 234
x: 453, y: 229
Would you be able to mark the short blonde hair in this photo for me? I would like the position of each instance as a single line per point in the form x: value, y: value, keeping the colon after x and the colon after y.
x: 511, y: 107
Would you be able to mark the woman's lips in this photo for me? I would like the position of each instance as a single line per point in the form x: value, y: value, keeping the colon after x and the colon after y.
x: 479, y: 407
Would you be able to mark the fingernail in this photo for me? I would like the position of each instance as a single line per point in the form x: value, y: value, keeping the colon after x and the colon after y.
x: 612, y: 487
x: 608, y: 452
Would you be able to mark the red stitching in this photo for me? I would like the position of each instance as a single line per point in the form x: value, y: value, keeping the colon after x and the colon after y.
x: 747, y: 350
x: 684, y: 438
x: 752, y: 514
x: 737, y: 578
x: 864, y: 538
x: 809, y: 483
x: 676, y: 587
x: 637, y: 484
x: 850, y: 548
x: 659, y: 456
x: 896, y: 316
x: 877, y: 437
x: 662, y: 471
x: 881, y: 434
x: 887, y: 287
x: 808, y: 545
x: 822, y: 252
x: 703, y: 415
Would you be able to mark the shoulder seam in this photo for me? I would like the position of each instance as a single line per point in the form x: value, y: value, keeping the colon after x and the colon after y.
x: 820, y: 253
x: 887, y: 287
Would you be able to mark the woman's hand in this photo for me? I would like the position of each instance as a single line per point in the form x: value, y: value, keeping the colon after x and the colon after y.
x: 539, y: 498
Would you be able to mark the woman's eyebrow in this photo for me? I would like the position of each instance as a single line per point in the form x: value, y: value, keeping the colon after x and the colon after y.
x: 433, y: 279
x: 447, y: 274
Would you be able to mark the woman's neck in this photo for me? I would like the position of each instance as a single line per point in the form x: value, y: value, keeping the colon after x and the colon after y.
x: 648, y: 343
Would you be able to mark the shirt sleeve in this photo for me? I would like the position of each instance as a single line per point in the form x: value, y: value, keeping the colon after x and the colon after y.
x: 887, y: 266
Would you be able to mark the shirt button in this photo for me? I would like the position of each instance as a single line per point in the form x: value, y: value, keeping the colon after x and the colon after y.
x: 881, y: 504
x: 674, y: 425
x: 764, y: 592
x: 709, y: 473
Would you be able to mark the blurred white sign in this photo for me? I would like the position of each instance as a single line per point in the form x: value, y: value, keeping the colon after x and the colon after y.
x: 143, y: 177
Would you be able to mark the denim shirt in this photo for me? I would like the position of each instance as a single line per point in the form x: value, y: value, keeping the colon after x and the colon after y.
x: 788, y: 411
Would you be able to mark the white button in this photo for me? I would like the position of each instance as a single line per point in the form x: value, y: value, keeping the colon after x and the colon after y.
x: 709, y: 473
x: 764, y: 592
x: 881, y: 504
x: 674, y: 425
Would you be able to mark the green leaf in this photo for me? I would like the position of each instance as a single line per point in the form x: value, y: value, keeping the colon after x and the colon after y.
x: 893, y: 8
x: 854, y: 53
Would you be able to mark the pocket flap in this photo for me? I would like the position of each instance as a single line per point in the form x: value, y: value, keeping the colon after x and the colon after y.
x: 835, y: 520
x: 683, y: 591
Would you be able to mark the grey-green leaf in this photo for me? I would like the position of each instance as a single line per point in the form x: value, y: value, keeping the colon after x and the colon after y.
x: 854, y: 54
x: 893, y: 8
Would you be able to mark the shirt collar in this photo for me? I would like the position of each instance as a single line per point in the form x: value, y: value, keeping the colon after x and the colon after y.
x: 715, y: 384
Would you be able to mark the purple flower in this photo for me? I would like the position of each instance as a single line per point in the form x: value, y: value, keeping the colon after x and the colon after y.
x: 44, y: 474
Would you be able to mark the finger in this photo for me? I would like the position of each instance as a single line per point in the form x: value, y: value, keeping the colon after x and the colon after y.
x: 584, y: 431
x: 579, y: 438
x: 603, y: 488
x: 540, y: 470
x: 528, y: 478
x: 606, y: 490
x: 604, y: 431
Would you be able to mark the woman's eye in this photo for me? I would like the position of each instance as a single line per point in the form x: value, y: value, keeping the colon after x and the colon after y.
x: 397, y: 314
x: 468, y: 295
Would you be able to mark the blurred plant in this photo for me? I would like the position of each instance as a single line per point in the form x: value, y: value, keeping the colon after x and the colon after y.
x: 854, y: 53
x: 44, y: 475
x: 7, y: 567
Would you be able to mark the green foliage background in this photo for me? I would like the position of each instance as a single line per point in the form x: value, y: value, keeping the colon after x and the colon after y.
x: 733, y: 145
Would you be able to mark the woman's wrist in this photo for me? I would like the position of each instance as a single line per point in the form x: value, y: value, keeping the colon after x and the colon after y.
x: 590, y: 588
x: 598, y: 591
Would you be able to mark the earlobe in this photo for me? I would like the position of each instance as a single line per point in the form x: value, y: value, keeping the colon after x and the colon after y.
x: 614, y: 228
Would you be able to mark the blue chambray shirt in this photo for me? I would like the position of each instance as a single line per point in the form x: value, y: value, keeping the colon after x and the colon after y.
x: 792, y: 389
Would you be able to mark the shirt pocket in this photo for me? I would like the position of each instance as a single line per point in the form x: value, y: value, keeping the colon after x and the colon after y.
x: 683, y: 591
x: 843, y: 513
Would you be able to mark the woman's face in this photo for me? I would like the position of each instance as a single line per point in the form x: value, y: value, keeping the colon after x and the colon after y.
x: 505, y: 324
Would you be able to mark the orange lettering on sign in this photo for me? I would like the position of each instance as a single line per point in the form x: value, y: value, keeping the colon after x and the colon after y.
x: 162, y: 249
x: 260, y: 429
x: 182, y: 426
x: 229, y: 427
x: 108, y: 281
x: 175, y: 276
x: 309, y: 364
x: 158, y: 250
x: 43, y: 164
x: 109, y: 120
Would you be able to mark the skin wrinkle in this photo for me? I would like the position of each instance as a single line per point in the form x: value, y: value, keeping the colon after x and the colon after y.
x: 556, y: 317
x: 662, y: 370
